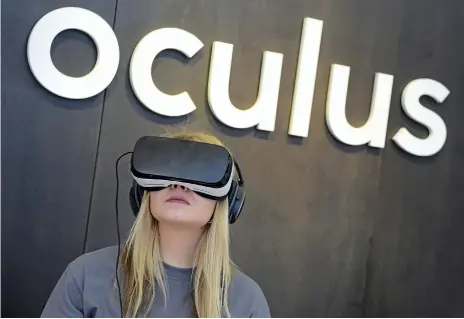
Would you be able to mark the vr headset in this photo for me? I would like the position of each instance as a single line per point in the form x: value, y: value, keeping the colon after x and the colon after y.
x: 206, y: 169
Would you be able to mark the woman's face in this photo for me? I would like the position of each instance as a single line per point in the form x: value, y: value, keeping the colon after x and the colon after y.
x: 179, y: 205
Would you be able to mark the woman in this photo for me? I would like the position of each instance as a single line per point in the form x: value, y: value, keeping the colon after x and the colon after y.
x: 175, y: 263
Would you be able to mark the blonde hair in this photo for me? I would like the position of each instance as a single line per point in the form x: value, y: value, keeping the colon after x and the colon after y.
x: 142, y: 266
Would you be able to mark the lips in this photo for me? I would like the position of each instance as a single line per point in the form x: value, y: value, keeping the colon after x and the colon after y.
x: 178, y: 200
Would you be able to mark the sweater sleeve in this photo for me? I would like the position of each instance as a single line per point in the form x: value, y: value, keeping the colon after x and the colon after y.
x: 260, y: 308
x: 66, y: 298
x: 246, y: 298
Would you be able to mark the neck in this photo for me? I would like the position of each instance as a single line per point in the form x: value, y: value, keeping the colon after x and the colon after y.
x: 178, y: 245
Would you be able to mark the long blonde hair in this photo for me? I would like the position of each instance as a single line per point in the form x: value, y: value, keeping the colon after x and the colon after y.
x: 142, y: 266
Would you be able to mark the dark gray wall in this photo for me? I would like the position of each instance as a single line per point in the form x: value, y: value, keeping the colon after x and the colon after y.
x: 49, y: 148
x: 346, y: 231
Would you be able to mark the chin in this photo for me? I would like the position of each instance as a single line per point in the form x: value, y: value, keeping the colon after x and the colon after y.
x: 181, y: 219
x: 182, y: 223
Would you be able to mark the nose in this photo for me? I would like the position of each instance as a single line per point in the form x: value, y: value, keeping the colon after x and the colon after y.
x: 175, y: 186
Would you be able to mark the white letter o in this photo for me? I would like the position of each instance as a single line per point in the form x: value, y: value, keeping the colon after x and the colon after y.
x: 40, y: 60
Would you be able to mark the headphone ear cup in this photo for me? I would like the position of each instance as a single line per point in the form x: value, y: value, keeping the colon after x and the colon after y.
x: 135, y: 198
x: 236, y: 201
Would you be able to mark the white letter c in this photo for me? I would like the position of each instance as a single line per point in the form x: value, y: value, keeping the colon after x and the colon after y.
x: 140, y: 70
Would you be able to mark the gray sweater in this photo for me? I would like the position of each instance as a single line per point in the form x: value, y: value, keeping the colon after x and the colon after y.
x: 87, y: 289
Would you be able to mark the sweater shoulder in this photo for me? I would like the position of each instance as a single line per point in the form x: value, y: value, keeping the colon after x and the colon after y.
x: 94, y: 262
x: 246, y: 298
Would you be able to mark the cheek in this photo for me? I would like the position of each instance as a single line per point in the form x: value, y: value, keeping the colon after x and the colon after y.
x: 205, y: 207
x: 154, y: 202
x: 201, y: 211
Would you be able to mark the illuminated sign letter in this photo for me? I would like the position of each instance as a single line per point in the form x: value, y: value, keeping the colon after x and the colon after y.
x: 375, y: 129
x: 263, y: 112
x: 40, y: 60
x: 305, y: 82
x: 140, y: 70
x: 416, y: 111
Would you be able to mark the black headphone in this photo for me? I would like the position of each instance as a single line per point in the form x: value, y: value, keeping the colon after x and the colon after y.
x: 236, y: 197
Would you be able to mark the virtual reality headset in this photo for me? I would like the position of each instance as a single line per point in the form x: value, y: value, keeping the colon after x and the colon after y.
x: 158, y: 162
x: 206, y: 169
